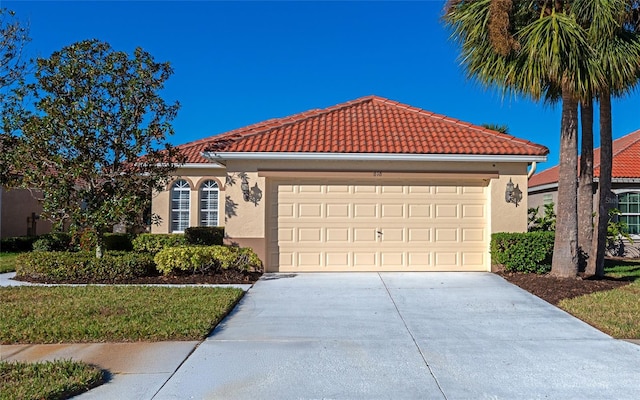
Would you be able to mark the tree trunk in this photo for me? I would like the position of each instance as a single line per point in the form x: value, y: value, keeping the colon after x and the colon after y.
x: 565, y: 251
x: 596, y: 261
x: 585, y: 186
x: 99, y: 243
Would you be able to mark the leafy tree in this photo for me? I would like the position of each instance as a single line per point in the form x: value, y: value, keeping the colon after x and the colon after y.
x: 13, y: 38
x: 97, y: 112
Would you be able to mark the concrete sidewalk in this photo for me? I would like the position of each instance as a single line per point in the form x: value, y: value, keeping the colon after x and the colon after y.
x: 137, y: 370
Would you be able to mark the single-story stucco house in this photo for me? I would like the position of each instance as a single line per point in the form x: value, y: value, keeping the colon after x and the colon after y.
x: 20, y: 214
x: 625, y: 185
x: 367, y: 185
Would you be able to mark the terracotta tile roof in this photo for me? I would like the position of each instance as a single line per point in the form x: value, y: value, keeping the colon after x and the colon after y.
x: 369, y: 124
x: 626, y: 162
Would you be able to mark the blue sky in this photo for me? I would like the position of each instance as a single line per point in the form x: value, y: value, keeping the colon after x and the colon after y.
x: 238, y: 63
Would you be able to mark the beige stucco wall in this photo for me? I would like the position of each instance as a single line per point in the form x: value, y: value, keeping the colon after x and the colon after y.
x: 161, y: 202
x: 16, y: 206
x: 506, y: 217
x: 245, y: 222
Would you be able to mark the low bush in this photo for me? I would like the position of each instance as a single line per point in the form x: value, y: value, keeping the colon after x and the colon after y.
x: 84, y: 266
x: 523, y: 252
x: 204, y: 259
x: 59, y: 241
x: 154, y: 242
x: 17, y: 244
x: 205, y: 235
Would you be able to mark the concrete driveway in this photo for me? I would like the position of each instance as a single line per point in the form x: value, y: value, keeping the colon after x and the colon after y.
x: 403, y: 336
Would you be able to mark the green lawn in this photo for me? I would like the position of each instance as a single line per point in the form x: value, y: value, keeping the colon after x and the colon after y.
x: 8, y: 262
x: 615, y: 312
x: 111, y: 313
x: 48, y: 380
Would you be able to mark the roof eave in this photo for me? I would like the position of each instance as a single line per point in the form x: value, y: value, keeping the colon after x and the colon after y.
x: 216, y: 156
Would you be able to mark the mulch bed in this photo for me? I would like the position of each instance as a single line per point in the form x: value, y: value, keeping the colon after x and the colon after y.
x: 222, y: 277
x: 554, y: 289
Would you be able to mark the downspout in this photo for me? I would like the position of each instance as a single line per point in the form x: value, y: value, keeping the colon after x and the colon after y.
x: 532, y: 170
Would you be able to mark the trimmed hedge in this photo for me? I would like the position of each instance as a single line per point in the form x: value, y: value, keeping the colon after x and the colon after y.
x: 82, y: 266
x: 154, y: 242
x: 205, y: 235
x: 53, y: 242
x: 17, y: 244
x: 205, y: 259
x: 523, y: 252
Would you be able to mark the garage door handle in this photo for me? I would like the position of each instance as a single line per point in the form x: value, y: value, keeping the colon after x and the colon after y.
x: 379, y: 233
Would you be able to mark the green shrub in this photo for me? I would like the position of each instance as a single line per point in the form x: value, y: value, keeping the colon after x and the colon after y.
x: 118, y: 241
x: 523, y: 252
x: 205, y: 259
x: 81, y: 266
x: 17, y: 244
x: 59, y: 241
x: 205, y: 235
x: 154, y: 242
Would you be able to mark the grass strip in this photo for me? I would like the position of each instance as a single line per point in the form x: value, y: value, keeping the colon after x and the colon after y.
x: 50, y: 380
x: 8, y: 262
x: 614, y: 312
x: 111, y: 313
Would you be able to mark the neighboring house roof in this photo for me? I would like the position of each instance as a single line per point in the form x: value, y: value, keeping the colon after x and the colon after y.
x: 626, y: 163
x: 368, y: 125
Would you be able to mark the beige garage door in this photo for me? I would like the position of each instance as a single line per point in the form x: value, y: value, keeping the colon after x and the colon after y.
x: 378, y: 226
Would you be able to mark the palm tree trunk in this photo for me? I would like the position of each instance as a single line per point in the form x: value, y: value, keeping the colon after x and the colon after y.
x: 585, y: 186
x: 596, y: 261
x: 565, y: 251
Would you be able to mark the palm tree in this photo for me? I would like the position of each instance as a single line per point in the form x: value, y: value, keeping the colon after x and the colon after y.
x: 613, y: 32
x: 535, y: 48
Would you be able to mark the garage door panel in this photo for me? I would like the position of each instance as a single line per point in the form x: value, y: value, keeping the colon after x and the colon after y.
x: 473, y: 259
x: 365, y: 260
x: 396, y: 235
x: 419, y: 235
x: 446, y: 259
x: 473, y: 235
x: 309, y: 211
x: 446, y: 211
x: 419, y: 210
x: 392, y: 211
x: 419, y: 259
x: 421, y: 189
x: 446, y: 190
x: 338, y: 259
x: 364, y: 235
x: 313, y: 235
x: 333, y: 226
x: 338, y: 210
x: 365, y: 210
x: 473, y: 211
x: 392, y: 189
x: 365, y: 189
x: 446, y: 235
x: 338, y: 235
x: 392, y: 259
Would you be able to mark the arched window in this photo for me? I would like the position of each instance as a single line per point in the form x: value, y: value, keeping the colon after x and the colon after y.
x: 209, y: 198
x: 180, y: 199
x: 629, y: 206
